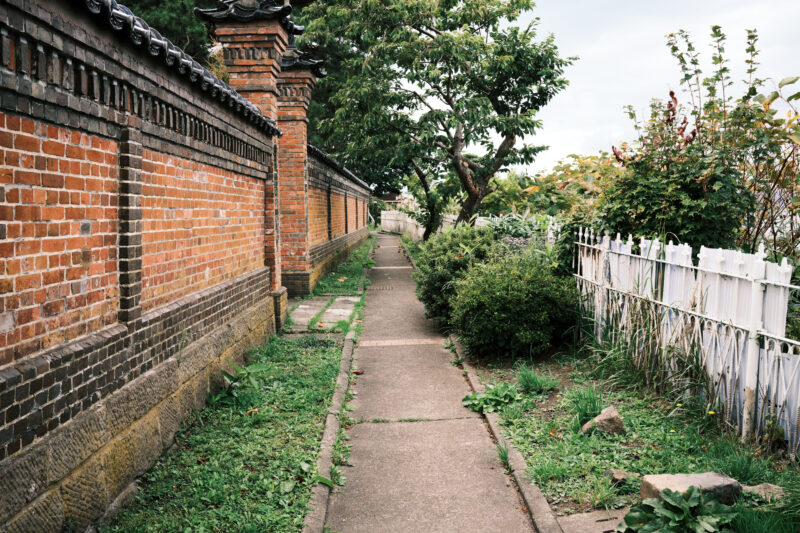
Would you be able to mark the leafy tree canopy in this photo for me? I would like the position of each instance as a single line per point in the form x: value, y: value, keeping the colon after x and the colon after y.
x: 424, y: 83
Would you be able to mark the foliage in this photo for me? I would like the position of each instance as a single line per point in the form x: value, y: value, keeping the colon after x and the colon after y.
x: 573, y: 185
x: 513, y: 306
x: 522, y: 225
x: 509, y: 195
x: 495, y: 397
x: 442, y: 260
x: 531, y: 382
x: 718, y: 172
x: 175, y: 20
x: 677, y: 513
x: 249, y: 466
x: 427, y: 81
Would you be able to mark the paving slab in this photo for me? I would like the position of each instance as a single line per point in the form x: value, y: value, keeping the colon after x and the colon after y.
x: 306, y: 310
x: 402, y: 382
x: 340, y: 309
x: 432, y: 477
x: 594, y: 522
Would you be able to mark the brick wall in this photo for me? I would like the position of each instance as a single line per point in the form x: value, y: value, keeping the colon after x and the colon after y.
x: 201, y: 225
x: 337, y: 215
x: 58, y: 220
x: 317, y: 216
x: 139, y: 253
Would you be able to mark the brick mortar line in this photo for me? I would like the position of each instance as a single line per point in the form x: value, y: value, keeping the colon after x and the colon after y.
x: 314, y: 521
x: 540, y: 512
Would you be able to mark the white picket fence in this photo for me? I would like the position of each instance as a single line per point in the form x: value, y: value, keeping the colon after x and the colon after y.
x: 731, y: 307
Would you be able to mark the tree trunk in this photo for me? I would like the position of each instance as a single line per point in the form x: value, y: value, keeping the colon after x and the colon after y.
x: 468, y: 207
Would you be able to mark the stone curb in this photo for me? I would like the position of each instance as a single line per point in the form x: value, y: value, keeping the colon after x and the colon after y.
x: 408, y: 254
x: 315, y: 518
x: 542, y: 516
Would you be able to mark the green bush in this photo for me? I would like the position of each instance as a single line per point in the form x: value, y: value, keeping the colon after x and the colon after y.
x: 442, y: 260
x: 514, y: 305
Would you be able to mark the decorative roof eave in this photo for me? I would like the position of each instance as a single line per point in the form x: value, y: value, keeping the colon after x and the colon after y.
x: 331, y: 162
x: 303, y: 60
x: 122, y: 19
x: 250, y: 10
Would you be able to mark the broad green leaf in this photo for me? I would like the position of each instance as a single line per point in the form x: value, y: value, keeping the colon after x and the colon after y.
x: 323, y: 480
x: 788, y: 81
x: 288, y: 486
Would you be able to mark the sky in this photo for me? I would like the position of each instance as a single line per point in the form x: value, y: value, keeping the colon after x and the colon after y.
x: 624, y: 60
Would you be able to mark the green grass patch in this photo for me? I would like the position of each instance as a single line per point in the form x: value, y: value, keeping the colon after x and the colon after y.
x: 238, y: 469
x: 343, y: 281
x: 661, y: 437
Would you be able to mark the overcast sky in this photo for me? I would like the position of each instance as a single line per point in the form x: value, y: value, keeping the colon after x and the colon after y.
x: 623, y: 59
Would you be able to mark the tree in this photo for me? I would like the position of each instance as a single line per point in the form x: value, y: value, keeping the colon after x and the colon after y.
x: 175, y: 20
x: 428, y: 82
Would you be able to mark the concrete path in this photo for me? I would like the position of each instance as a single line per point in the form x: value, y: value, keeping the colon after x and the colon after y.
x: 420, y: 461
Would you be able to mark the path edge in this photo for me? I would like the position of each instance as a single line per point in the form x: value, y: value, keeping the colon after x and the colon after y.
x: 542, y: 516
x: 314, y: 521
x: 408, y: 254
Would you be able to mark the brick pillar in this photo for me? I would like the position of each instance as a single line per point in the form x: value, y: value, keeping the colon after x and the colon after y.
x: 130, y: 227
x: 294, y: 95
x: 254, y: 38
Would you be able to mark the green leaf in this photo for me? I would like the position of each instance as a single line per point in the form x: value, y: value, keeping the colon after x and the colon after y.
x: 287, y: 486
x: 788, y: 81
x: 323, y: 480
x: 305, y: 467
x: 795, y: 137
x: 795, y: 96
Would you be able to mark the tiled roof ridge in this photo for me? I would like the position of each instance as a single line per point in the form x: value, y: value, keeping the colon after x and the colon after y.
x: 122, y: 19
x: 331, y: 162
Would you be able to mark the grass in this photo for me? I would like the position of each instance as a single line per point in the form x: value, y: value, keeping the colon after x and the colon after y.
x: 344, y: 280
x: 246, y: 472
x: 531, y: 382
x: 661, y: 437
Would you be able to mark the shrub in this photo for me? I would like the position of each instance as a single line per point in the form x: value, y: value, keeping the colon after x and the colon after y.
x: 442, y: 260
x: 522, y: 225
x: 513, y: 306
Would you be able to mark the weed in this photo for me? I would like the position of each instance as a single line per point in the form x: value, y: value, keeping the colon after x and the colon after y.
x: 336, y: 476
x: 530, y: 382
x: 502, y: 454
x: 586, y: 403
x: 494, y: 397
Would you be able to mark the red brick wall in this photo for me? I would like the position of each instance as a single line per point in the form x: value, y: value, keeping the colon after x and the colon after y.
x: 201, y: 226
x: 317, y: 216
x: 58, y: 212
x: 352, y: 217
x: 337, y: 215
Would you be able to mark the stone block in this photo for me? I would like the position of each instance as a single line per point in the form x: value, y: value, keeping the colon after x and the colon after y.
x: 22, y: 477
x: 76, y: 441
x: 195, y: 357
x: 132, y: 453
x: 618, y: 477
x: 137, y: 398
x: 170, y: 414
x: 85, y: 495
x: 723, y: 487
x: 608, y: 421
x: 46, y: 513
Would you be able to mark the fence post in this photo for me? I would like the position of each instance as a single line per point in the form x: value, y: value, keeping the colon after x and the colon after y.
x: 749, y: 423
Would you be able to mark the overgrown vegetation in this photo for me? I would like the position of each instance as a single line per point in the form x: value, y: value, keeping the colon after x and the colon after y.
x: 344, y: 279
x: 442, y: 260
x: 247, y: 462
x: 514, y: 305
